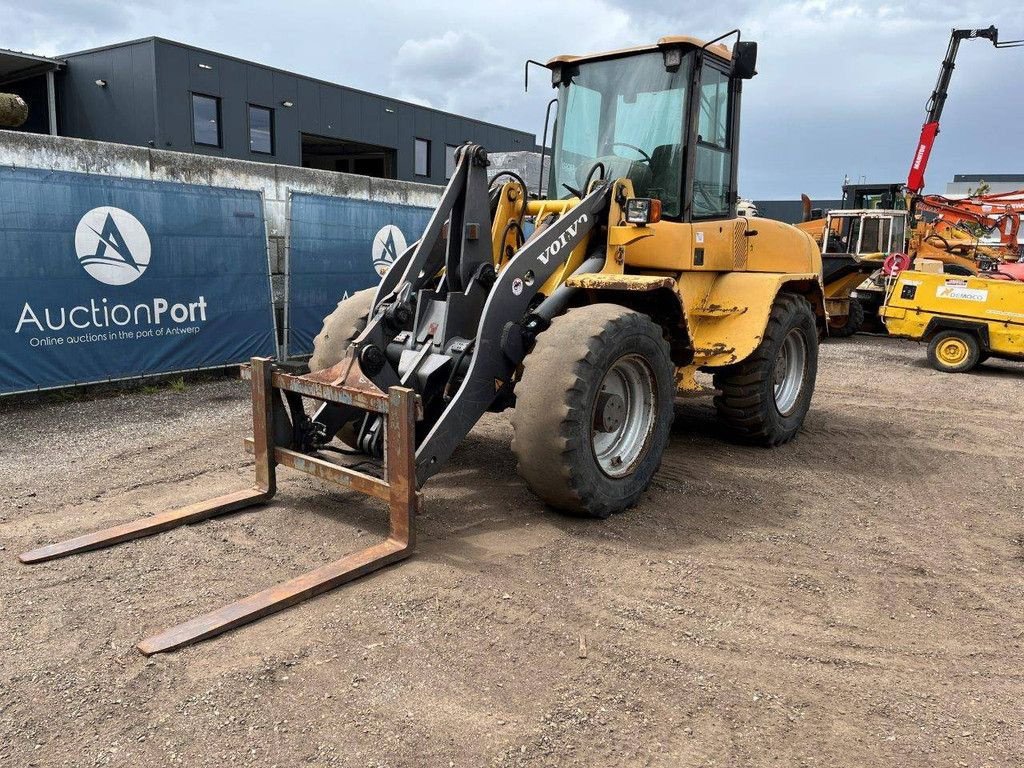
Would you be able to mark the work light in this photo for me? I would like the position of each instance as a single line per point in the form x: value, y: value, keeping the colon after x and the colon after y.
x: 643, y: 210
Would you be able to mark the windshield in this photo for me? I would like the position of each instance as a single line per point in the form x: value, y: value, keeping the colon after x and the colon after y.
x: 627, y: 114
x: 863, y: 235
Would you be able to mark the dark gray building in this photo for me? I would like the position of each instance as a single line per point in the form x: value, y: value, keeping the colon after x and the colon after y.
x: 791, y: 211
x: 167, y: 95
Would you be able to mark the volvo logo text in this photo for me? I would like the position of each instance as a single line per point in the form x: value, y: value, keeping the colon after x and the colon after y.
x: 552, y: 250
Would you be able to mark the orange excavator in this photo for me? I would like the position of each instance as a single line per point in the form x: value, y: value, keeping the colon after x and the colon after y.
x: 993, y: 218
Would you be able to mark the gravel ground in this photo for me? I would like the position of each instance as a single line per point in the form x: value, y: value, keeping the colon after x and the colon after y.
x: 850, y: 599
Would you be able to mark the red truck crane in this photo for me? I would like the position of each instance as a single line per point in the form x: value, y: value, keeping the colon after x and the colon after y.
x: 915, y: 179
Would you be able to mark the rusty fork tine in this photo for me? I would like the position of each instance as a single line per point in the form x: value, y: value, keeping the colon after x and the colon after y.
x: 266, y: 486
x: 278, y: 597
x: 147, y: 526
x: 403, y: 502
x: 401, y: 405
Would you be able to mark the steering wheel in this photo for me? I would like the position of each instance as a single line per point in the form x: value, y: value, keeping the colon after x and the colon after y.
x: 647, y: 158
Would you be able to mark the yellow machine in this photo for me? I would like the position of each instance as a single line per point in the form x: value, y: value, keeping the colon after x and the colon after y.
x: 587, y: 311
x: 855, y: 243
x: 964, y: 319
x: 956, y: 253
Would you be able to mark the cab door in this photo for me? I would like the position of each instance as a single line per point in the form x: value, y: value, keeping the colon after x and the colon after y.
x: 711, y: 184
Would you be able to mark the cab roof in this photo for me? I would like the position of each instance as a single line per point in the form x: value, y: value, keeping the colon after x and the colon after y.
x: 717, y: 50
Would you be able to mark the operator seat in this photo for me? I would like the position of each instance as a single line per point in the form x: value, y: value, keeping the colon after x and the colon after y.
x: 665, y: 175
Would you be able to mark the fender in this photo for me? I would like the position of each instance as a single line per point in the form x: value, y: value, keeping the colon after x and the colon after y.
x: 727, y: 320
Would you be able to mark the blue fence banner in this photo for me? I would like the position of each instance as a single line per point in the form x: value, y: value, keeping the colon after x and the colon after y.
x: 106, y: 278
x: 338, y: 246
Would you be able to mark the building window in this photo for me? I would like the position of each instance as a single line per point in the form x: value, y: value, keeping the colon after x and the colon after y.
x: 449, y: 160
x: 206, y: 120
x: 422, y: 157
x: 261, y: 130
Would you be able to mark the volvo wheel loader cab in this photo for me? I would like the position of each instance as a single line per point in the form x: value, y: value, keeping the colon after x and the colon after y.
x: 587, y: 312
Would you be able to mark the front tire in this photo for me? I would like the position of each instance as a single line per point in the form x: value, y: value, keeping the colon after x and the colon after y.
x: 340, y: 329
x: 594, y: 410
x: 764, y: 399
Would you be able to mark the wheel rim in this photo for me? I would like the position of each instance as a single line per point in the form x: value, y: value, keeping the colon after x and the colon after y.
x: 789, y: 371
x: 952, y: 351
x: 623, y: 418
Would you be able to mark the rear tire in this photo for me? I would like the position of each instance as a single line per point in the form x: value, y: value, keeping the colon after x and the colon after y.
x: 954, y: 351
x: 854, y: 322
x: 340, y: 328
x: 594, y: 410
x: 765, y: 398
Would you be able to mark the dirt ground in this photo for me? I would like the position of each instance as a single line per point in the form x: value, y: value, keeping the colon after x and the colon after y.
x: 851, y: 599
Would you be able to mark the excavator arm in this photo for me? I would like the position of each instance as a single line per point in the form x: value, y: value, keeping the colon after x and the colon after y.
x: 1000, y: 212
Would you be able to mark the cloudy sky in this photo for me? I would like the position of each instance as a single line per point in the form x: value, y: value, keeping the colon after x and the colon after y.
x: 841, y: 89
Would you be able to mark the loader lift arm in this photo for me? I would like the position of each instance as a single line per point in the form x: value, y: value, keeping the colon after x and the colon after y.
x: 421, y: 332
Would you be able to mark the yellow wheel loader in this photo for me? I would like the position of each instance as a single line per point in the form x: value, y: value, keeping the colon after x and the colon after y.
x: 587, y: 311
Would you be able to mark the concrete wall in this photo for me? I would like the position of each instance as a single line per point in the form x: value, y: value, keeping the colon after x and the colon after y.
x: 59, y: 153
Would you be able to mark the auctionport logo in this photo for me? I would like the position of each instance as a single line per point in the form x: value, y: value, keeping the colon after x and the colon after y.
x: 112, y: 245
x: 388, y: 245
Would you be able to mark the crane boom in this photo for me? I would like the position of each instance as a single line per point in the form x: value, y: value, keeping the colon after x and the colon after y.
x: 937, y: 101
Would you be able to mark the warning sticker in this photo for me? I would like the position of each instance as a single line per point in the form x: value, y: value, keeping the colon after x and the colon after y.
x: 700, y: 237
x: 959, y: 292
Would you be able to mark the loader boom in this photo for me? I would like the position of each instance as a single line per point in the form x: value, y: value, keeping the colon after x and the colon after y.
x: 471, y: 315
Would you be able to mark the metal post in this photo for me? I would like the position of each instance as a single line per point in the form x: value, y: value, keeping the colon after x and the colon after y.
x: 400, y: 445
x: 263, y: 424
x: 51, y: 101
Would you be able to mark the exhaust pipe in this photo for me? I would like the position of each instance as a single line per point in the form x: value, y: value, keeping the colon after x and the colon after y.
x: 805, y: 203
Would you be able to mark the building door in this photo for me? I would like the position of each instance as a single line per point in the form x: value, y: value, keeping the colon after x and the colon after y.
x: 343, y: 156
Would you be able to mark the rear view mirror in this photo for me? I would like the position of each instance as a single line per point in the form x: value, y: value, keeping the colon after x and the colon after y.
x: 744, y: 60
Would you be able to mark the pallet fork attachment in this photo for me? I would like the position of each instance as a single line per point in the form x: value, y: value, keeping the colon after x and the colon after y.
x: 401, y: 407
